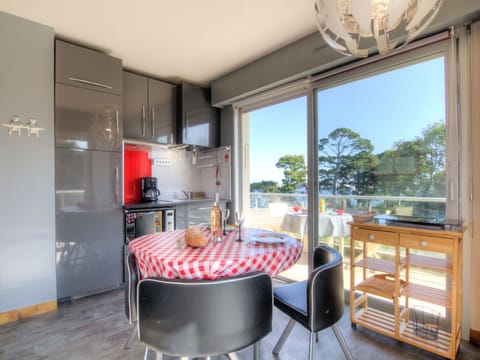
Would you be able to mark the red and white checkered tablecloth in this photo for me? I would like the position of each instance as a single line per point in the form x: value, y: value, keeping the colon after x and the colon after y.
x: 158, y: 255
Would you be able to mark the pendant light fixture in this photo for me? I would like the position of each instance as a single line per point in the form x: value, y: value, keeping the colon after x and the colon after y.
x: 346, y: 25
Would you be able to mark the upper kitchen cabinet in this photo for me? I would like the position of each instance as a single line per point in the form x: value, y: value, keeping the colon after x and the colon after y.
x: 197, y: 120
x: 86, y: 68
x: 88, y: 101
x: 86, y: 119
x: 149, y: 109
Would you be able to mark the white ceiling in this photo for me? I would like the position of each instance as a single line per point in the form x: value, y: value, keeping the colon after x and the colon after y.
x: 195, y: 41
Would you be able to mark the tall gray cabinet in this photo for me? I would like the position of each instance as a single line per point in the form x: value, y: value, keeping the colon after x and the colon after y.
x: 88, y: 171
x: 149, y: 109
x: 27, y: 268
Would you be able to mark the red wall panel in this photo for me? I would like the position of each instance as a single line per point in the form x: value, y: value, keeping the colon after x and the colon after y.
x: 136, y: 164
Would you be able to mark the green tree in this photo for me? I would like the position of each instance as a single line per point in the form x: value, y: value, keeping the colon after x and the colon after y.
x: 416, y: 167
x: 294, y: 172
x: 265, y: 186
x: 433, y: 150
x: 346, y: 163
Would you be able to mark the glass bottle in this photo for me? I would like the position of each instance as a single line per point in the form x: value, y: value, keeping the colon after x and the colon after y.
x: 216, y: 220
x: 321, y: 206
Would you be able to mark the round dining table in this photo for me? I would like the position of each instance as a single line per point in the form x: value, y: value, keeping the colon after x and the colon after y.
x: 167, y: 255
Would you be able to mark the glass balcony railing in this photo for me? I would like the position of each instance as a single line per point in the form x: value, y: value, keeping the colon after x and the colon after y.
x: 429, y: 207
x: 259, y: 216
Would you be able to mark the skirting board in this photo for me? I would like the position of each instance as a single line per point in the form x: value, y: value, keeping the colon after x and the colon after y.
x: 26, y: 312
x: 475, y: 337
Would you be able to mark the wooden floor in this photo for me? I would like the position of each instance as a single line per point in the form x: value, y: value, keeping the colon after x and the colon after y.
x: 96, y: 328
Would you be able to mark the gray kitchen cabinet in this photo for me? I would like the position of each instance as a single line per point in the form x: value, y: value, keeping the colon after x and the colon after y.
x: 197, y: 121
x: 195, y: 213
x: 149, y: 109
x: 87, y: 119
x: 181, y: 217
x: 89, y: 221
x: 88, y: 172
x: 81, y: 67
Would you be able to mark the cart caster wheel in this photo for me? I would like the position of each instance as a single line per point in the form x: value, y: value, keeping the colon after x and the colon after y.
x: 354, y: 326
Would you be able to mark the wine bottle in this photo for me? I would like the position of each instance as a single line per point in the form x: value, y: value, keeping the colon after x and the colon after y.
x: 216, y: 220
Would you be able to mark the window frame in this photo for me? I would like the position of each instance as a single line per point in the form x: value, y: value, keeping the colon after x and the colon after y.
x: 441, y: 48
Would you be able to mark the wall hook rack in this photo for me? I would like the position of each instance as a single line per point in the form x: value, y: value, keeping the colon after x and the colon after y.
x: 15, y: 126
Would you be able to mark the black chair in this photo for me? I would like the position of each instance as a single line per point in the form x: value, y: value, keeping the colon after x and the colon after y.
x: 198, y: 318
x: 316, y: 303
x: 145, y: 224
x: 131, y: 282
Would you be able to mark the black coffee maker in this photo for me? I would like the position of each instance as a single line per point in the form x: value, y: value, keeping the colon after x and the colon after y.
x: 149, y: 189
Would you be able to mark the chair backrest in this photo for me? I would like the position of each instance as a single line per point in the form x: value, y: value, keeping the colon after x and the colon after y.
x: 204, y: 317
x: 131, y: 282
x: 145, y: 224
x: 277, y: 211
x: 325, y: 293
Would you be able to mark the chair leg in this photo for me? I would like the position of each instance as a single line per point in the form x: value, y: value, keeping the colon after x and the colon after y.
x: 283, y: 337
x: 342, y: 342
x: 128, y: 344
x: 310, y: 346
x: 256, y: 351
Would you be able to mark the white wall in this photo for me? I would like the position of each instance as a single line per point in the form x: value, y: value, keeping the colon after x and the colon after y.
x: 27, y: 207
x: 183, y: 174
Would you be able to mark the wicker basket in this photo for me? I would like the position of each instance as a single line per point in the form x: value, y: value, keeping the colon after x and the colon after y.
x: 364, y: 217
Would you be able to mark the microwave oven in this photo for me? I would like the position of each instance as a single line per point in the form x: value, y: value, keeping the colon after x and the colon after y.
x: 159, y: 220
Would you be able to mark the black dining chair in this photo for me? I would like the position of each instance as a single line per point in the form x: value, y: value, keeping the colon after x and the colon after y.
x: 201, y: 318
x: 131, y: 282
x: 316, y: 303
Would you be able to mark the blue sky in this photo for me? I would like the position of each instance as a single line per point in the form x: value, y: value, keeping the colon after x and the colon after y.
x: 384, y: 108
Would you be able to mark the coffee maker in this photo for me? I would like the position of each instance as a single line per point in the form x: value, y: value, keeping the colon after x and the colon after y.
x: 149, y: 189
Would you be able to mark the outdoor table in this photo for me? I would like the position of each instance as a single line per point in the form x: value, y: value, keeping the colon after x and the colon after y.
x: 294, y: 222
x: 330, y: 226
x: 159, y: 255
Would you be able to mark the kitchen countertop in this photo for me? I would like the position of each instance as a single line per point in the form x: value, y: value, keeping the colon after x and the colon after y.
x: 164, y: 203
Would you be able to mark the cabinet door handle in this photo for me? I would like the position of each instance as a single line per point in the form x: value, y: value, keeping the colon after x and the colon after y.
x: 83, y: 81
x: 117, y: 178
x: 186, y: 129
x: 153, y: 122
x: 117, y: 124
x: 371, y: 237
x: 143, y: 120
x: 423, y: 243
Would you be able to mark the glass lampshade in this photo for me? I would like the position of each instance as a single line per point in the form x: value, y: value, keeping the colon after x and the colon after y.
x: 347, y: 25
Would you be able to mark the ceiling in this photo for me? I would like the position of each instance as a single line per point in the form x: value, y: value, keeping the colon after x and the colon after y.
x: 195, y: 41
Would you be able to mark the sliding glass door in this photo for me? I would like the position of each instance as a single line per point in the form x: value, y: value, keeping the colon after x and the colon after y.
x: 386, y: 148
x: 376, y: 139
x: 275, y: 139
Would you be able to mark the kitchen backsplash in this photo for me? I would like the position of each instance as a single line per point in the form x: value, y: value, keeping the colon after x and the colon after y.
x: 206, y: 170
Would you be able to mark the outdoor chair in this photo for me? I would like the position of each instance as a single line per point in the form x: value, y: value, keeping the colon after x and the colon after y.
x: 277, y: 211
x: 316, y: 303
x: 201, y: 318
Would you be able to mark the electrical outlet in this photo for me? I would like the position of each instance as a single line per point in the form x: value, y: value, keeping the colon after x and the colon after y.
x: 162, y: 162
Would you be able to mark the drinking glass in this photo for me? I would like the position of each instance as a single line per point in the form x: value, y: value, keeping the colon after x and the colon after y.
x: 225, y: 216
x: 239, y: 221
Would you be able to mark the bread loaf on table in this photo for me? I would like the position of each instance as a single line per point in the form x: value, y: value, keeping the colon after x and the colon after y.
x: 195, y: 237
